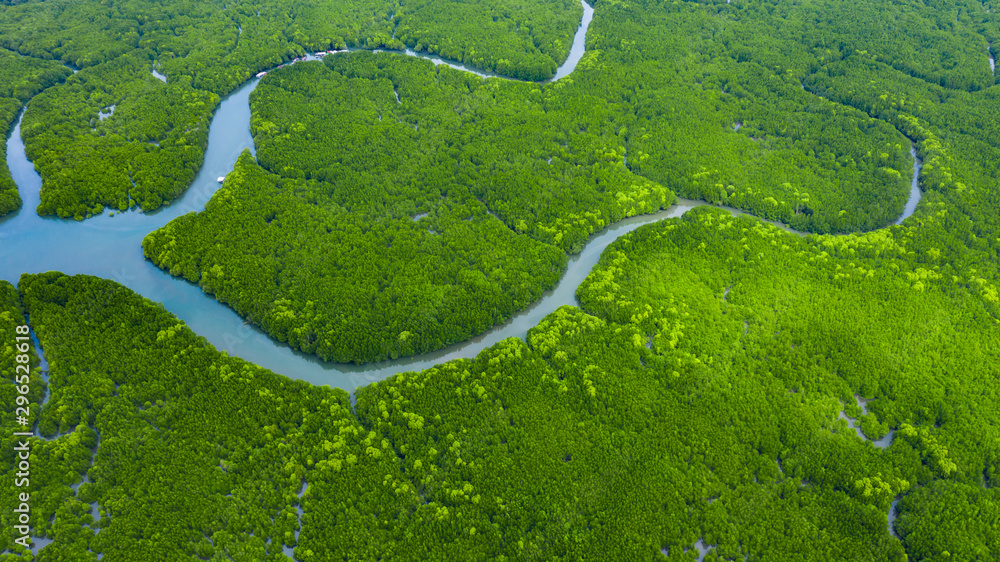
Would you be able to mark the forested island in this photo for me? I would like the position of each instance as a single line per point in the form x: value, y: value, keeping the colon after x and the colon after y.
x: 699, y: 402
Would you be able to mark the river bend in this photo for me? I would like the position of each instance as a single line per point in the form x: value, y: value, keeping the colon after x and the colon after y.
x: 111, y: 247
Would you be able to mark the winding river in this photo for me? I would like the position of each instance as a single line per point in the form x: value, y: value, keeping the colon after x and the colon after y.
x: 110, y: 247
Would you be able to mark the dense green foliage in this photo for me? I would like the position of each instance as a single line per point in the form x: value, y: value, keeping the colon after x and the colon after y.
x: 828, y: 317
x: 10, y: 199
x: 148, y: 150
x: 199, y: 454
x: 491, y: 138
x: 350, y: 275
x: 20, y: 79
x: 11, y: 317
x: 721, y: 351
x: 693, y: 395
x: 699, y: 396
x: 379, y: 247
x: 951, y: 520
x: 720, y: 115
x: 548, y: 160
x: 150, y: 136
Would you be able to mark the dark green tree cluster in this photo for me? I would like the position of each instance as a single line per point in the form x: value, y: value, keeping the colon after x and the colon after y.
x: 116, y: 136
x: 334, y: 273
x: 546, y: 163
x: 945, y: 43
x: 950, y: 521
x: 20, y: 78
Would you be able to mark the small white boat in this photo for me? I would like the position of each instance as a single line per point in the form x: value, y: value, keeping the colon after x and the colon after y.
x: 261, y: 74
x: 222, y: 179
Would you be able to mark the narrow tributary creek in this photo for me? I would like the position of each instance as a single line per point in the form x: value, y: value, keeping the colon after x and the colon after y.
x: 882, y: 443
x: 37, y: 543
